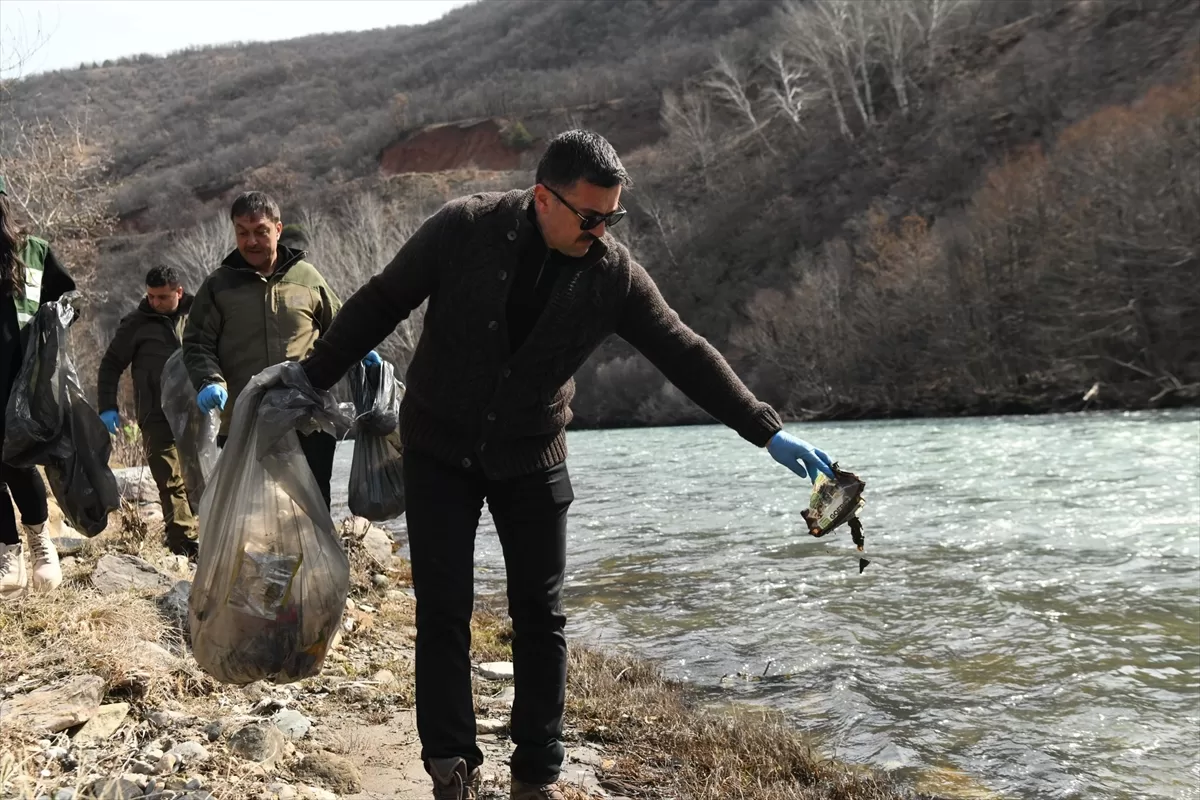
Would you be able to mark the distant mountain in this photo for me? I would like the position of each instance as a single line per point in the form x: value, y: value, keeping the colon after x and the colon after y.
x: 871, y: 208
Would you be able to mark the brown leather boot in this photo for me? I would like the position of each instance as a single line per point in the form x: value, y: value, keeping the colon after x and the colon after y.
x: 452, y: 780
x: 535, y: 791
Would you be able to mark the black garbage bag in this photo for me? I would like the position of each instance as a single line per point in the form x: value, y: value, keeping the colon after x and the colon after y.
x: 376, y: 490
x: 195, y: 432
x: 49, y: 422
x: 37, y: 405
x: 82, y: 483
x: 271, y: 577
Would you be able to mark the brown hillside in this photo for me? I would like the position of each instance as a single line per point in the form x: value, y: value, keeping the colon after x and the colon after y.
x: 514, y: 143
x: 772, y: 228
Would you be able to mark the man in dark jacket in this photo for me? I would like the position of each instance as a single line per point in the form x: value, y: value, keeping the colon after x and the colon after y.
x: 264, y: 305
x: 522, y: 287
x: 145, y: 339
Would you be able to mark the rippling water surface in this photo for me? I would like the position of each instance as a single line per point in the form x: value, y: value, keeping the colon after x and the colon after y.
x: 1031, y: 616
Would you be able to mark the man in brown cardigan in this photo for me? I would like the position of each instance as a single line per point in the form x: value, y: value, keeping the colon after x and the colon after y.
x: 522, y: 287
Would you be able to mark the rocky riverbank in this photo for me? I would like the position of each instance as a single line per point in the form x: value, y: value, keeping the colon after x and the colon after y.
x: 100, y: 698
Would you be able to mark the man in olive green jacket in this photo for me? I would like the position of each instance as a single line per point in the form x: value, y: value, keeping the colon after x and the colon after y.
x: 264, y: 305
x: 146, y: 338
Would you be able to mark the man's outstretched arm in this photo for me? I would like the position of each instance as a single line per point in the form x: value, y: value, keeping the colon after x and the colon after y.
x: 702, y: 373
x: 381, y: 304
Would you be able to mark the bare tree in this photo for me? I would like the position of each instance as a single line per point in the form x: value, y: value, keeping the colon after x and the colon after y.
x: 790, y: 91
x: 805, y: 37
x: 729, y: 85
x: 931, y: 17
x: 664, y: 222
x: 860, y: 19
x: 898, y: 34
x: 55, y: 177
x: 198, y: 251
x: 355, y: 244
x: 837, y: 24
x: 18, y: 44
x: 688, y: 118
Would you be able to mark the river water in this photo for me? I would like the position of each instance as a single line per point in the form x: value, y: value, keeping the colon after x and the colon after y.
x: 1030, y: 618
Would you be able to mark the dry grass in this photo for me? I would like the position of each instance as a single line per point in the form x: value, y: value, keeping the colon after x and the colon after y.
x: 665, y: 746
x: 657, y: 742
x: 21, y: 768
x: 76, y: 631
x: 491, y: 631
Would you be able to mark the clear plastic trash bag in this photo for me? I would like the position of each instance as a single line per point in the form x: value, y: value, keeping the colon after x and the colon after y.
x: 272, y: 578
x: 195, y: 432
x: 376, y: 490
x: 50, y: 422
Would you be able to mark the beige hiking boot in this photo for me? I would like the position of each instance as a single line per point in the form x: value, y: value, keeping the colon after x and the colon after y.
x: 452, y: 780
x: 535, y: 791
x: 12, y: 571
x: 47, y: 574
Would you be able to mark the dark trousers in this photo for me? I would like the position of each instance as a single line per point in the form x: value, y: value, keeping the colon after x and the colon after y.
x: 444, y: 506
x: 163, y: 459
x: 319, y: 450
x: 28, y: 491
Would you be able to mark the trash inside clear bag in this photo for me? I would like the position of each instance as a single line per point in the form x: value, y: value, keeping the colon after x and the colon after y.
x: 195, y: 431
x: 272, y: 578
x: 376, y: 490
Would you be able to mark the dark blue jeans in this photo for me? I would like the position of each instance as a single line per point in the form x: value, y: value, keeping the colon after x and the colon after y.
x: 444, y: 506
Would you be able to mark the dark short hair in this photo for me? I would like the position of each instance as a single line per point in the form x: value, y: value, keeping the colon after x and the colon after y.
x: 250, y: 204
x: 162, y: 276
x: 581, y: 155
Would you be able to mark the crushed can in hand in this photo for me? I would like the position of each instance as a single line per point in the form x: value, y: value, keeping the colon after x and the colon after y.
x: 834, y: 502
x: 271, y: 578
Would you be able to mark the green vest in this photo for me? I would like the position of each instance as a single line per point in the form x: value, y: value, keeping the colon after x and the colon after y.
x: 34, y: 256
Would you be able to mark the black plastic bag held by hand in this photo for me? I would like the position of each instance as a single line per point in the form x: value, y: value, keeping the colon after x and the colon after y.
x: 49, y: 422
x: 37, y: 405
x: 271, y: 578
x: 82, y: 483
x: 195, y: 432
x: 376, y: 490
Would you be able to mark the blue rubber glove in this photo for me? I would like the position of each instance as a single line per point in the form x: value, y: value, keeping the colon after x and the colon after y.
x: 212, y: 396
x: 799, y: 456
x: 110, y: 419
x: 372, y: 359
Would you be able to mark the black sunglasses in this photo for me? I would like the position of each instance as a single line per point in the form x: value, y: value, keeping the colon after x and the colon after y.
x: 586, y: 223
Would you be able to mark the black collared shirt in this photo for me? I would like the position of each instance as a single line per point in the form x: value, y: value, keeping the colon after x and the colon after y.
x: 531, y: 288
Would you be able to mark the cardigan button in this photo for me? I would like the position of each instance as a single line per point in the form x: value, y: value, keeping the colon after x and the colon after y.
x: 502, y: 275
x: 491, y: 417
x: 466, y: 462
x: 506, y: 372
x: 512, y: 236
x: 493, y: 325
